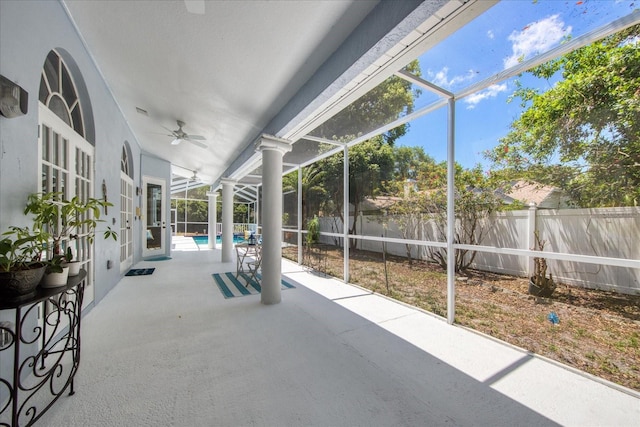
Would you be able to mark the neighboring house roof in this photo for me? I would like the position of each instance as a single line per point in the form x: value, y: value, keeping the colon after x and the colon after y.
x: 544, y: 196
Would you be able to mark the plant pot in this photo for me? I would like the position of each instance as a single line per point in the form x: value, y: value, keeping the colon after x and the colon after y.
x: 74, y: 268
x: 20, y: 284
x: 537, y: 291
x: 53, y: 280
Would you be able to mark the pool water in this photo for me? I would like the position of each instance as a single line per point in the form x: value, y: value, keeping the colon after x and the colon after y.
x: 204, y: 240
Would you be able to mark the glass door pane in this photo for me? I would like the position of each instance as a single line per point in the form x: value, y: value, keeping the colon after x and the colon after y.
x: 154, y: 209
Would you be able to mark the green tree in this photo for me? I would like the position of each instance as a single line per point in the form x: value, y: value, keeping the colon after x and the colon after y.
x: 384, y: 103
x: 583, y: 134
x: 313, y: 191
x: 476, y: 199
x: 199, y: 193
x: 408, y: 213
x: 370, y: 168
x: 240, y: 212
x: 371, y: 163
x: 411, y: 166
x: 410, y: 163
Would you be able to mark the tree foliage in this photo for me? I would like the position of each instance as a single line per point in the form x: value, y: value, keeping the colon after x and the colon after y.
x: 476, y: 199
x: 370, y: 168
x: 313, y: 191
x: 424, y: 202
x: 371, y: 163
x: 196, y: 210
x: 381, y: 105
x: 583, y: 134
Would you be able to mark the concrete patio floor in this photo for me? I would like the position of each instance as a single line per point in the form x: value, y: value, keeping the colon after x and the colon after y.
x: 168, y: 349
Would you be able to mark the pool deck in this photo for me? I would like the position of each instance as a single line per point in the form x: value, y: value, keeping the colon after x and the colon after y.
x: 169, y: 349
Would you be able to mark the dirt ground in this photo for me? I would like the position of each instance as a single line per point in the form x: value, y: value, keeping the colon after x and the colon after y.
x: 598, y: 332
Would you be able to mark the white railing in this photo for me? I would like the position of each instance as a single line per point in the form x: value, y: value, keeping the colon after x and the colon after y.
x: 238, y: 228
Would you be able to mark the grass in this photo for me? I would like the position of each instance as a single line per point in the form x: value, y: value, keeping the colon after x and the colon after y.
x: 598, y: 332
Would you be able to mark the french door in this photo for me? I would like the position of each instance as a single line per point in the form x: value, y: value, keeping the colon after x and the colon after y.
x: 67, y: 166
x: 155, y: 221
x: 126, y: 221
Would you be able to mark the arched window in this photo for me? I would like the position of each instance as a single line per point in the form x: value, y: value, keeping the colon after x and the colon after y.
x: 66, y: 157
x: 59, y: 94
x: 124, y: 161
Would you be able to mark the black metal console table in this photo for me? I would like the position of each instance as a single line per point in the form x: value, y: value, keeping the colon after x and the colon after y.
x: 44, y: 345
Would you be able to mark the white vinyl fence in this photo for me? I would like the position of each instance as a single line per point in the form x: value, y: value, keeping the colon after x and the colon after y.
x: 602, y: 232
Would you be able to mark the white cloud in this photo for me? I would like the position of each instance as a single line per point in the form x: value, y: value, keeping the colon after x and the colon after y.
x: 441, y: 78
x: 490, y: 92
x: 535, y: 38
x: 490, y: 34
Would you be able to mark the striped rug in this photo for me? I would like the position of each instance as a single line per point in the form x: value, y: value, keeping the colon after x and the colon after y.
x: 232, y: 287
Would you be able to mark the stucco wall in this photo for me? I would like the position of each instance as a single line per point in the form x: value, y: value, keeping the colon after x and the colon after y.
x: 28, y: 31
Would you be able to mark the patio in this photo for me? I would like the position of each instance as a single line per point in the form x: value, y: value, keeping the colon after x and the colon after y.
x: 169, y: 349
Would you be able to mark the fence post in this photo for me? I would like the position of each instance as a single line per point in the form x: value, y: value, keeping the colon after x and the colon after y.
x: 531, y: 228
x: 361, y: 228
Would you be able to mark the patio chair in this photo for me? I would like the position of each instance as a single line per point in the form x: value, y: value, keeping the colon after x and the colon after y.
x: 254, y: 266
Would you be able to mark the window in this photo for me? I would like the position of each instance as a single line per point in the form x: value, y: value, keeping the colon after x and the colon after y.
x: 59, y: 94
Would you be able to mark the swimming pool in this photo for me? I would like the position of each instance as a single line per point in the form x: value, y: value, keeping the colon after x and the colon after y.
x: 204, y: 240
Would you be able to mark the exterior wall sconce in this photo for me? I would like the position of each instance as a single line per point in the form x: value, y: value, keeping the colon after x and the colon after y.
x: 13, y: 99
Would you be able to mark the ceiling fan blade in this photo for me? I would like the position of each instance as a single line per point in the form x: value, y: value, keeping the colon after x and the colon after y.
x: 198, y: 143
x: 196, y: 137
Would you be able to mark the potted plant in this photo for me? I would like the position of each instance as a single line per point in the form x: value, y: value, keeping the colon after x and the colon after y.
x: 64, y: 220
x: 74, y: 266
x: 20, y: 267
x: 539, y: 284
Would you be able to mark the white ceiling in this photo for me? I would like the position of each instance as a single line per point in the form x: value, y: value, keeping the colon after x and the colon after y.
x: 226, y: 73
x: 238, y: 68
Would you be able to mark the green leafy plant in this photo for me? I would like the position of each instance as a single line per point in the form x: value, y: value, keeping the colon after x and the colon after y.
x: 21, y: 248
x: 65, y: 220
x: 313, y: 231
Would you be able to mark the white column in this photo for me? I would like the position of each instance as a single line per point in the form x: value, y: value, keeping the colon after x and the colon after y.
x: 227, y: 219
x: 345, y: 210
x: 258, y: 226
x: 451, y: 214
x: 213, y: 218
x: 272, y: 151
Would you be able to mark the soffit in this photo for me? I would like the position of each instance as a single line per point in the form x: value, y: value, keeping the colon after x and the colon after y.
x: 225, y: 73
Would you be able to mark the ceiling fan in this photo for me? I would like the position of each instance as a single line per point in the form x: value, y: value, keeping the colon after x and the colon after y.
x: 179, y: 135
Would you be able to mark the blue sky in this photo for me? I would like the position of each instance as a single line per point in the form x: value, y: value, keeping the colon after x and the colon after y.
x: 510, y: 30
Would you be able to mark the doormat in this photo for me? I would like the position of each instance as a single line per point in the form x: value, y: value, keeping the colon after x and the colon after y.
x: 231, y: 286
x: 140, y: 271
x: 158, y: 258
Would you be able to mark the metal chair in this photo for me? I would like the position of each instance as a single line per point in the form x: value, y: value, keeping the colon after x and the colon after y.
x: 254, y: 265
x: 244, y: 251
